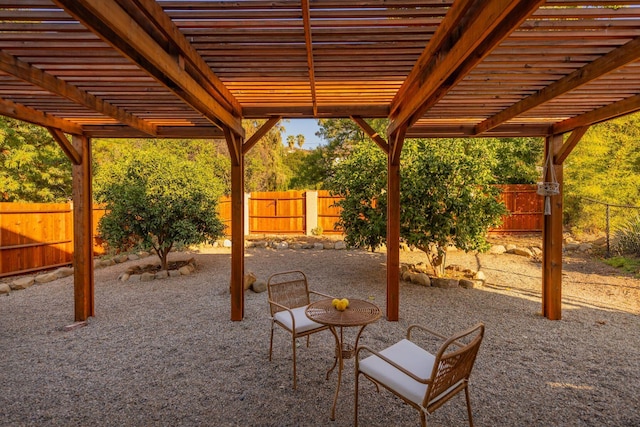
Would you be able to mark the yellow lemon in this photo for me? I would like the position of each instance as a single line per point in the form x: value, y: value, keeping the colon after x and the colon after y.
x: 345, y: 302
x: 335, y: 302
x: 340, y: 306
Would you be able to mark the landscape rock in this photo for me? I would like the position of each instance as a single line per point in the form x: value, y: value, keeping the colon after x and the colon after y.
x: 143, y: 254
x: 421, y: 267
x: 121, y: 258
x: 147, y: 277
x: 226, y: 243
x: 63, y: 272
x: 162, y: 274
x: 133, y: 257
x: 4, y: 289
x: 174, y: 273
x: 282, y: 245
x: 185, y: 270
x: 328, y: 245
x: 406, y: 276
x: 107, y: 262
x: 249, y: 279
x: 497, y: 249
x: 318, y: 246
x: 571, y: 246
x: 523, y: 252
x: 261, y: 244
x: 422, y: 279
x: 22, y: 283
x: 510, y: 248
x: 466, y: 283
x: 585, y: 247
x: 259, y: 286
x: 46, y: 277
x: 480, y: 276
x: 339, y: 245
x: 295, y: 246
x: 444, y: 282
x: 134, y: 278
x: 124, y: 277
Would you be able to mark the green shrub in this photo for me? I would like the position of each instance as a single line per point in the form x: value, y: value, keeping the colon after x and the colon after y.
x: 627, y: 237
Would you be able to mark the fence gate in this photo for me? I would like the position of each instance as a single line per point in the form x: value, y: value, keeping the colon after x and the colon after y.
x: 281, y: 212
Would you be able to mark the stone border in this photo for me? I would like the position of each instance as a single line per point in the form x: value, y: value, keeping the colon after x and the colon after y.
x: 130, y: 274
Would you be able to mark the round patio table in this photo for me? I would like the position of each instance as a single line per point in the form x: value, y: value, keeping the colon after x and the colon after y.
x: 359, y: 313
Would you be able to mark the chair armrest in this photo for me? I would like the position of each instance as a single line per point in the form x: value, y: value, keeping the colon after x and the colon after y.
x: 422, y: 328
x: 390, y: 362
x: 321, y: 294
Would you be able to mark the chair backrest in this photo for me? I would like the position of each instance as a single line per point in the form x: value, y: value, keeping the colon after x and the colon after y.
x: 453, y: 365
x: 289, y: 289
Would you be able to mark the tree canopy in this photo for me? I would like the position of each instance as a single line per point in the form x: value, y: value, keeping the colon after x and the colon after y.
x: 157, y: 199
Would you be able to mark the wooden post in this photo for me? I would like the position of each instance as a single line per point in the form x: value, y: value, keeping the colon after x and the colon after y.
x: 552, y: 243
x: 393, y: 224
x: 82, y: 232
x: 237, y: 228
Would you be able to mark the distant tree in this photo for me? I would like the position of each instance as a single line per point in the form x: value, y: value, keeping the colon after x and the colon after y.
x: 604, y: 166
x: 265, y: 169
x: 300, y: 140
x: 33, y: 167
x: 156, y: 199
x: 446, y: 196
x: 518, y: 159
x: 291, y: 141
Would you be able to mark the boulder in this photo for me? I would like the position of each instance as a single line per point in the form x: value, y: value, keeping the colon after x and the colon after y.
x: 162, y: 274
x: 147, y: 277
x: 406, y: 276
x: 571, y: 246
x: 523, y: 252
x: 133, y: 257
x: 328, y: 245
x: 444, y: 282
x: 64, y: 272
x: 466, y: 283
x: 22, y: 283
x: 497, y: 249
x: 186, y: 270
x: 282, y: 245
x: 143, y: 254
x: 249, y: 279
x: 340, y: 244
x: 318, y: 245
x: 421, y: 279
x: 4, y: 289
x: 259, y: 286
x: 121, y: 258
x: 46, y: 277
x: 134, y: 278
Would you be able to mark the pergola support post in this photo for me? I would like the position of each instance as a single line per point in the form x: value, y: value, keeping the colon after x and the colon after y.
x: 396, y: 140
x: 237, y: 226
x: 83, y: 288
x: 552, y: 242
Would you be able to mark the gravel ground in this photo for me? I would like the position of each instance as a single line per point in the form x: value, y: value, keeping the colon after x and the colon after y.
x: 165, y: 352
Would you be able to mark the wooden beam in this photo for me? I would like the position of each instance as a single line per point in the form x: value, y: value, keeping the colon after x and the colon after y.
x: 469, y: 32
x: 569, y: 145
x: 611, y: 111
x: 66, y: 145
x: 253, y: 140
x: 552, y: 243
x: 30, y: 115
x: 393, y: 231
x: 372, y: 133
x: 237, y: 228
x: 629, y: 52
x: 202, y: 71
x: 109, y: 21
x: 83, y: 280
x: 306, y: 20
x: 17, y: 68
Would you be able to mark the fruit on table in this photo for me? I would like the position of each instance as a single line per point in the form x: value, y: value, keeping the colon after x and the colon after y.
x: 340, y: 304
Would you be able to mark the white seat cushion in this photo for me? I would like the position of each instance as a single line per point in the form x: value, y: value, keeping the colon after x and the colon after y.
x: 303, y: 323
x: 411, y: 357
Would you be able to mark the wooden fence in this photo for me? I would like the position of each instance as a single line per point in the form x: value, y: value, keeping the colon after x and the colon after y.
x: 35, y: 236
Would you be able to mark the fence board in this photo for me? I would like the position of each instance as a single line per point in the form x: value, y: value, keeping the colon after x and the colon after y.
x: 277, y: 212
x: 525, y: 207
x: 328, y: 214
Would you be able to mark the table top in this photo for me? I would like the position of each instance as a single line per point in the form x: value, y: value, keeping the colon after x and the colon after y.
x: 358, y: 313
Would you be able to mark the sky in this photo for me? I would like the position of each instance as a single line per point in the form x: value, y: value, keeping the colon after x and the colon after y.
x: 307, y: 127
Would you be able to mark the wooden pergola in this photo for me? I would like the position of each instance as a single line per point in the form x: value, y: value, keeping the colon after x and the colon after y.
x: 435, y: 68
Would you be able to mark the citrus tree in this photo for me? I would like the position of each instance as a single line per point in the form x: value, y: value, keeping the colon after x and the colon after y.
x: 157, y: 199
x: 446, y: 196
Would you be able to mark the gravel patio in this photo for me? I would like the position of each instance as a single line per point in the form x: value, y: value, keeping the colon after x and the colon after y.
x: 165, y: 352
